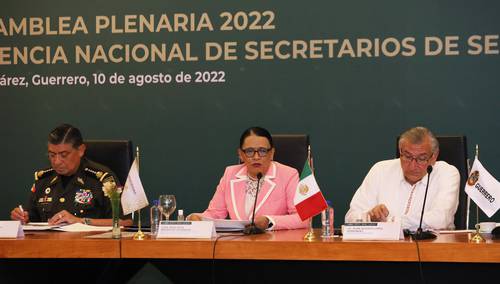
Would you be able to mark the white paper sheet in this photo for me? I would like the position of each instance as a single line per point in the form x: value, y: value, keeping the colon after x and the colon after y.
x: 39, y: 226
x: 456, y: 231
x: 79, y: 227
x: 108, y: 235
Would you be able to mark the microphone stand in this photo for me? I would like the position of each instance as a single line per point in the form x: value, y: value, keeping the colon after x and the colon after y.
x: 420, y: 234
x: 252, y: 229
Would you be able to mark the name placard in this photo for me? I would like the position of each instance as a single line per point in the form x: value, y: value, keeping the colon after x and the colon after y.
x: 11, y: 229
x: 186, y: 229
x: 373, y: 231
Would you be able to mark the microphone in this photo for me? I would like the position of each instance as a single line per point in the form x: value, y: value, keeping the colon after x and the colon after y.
x: 420, y: 234
x: 252, y: 229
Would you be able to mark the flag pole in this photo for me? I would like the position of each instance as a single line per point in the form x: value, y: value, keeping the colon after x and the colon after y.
x: 467, y: 217
x: 477, y: 238
x: 139, y: 235
x: 309, y: 236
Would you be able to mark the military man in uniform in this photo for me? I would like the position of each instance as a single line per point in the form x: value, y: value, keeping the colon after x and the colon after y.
x: 71, y: 190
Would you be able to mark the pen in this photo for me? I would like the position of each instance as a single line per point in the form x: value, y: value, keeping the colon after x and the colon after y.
x: 22, y: 212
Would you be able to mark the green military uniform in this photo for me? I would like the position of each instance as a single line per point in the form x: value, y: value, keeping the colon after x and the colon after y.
x: 82, y: 196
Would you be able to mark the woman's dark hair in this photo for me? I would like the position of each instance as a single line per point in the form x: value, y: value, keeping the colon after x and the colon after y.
x: 257, y: 131
x: 66, y: 134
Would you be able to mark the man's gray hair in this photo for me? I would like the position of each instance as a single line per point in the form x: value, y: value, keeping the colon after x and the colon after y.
x: 417, y: 135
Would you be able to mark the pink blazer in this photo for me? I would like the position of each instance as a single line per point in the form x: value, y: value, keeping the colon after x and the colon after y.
x: 275, y: 198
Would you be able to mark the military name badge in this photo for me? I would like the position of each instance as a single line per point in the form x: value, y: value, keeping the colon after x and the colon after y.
x: 84, y: 196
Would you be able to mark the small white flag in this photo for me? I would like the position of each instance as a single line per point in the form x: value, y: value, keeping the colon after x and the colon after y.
x: 483, y: 188
x: 133, y: 196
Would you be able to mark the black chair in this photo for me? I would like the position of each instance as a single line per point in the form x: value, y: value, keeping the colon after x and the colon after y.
x: 453, y: 150
x: 117, y: 155
x: 291, y: 149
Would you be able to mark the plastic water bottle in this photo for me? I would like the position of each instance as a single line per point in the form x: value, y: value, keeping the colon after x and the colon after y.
x: 155, y: 217
x: 327, y: 228
x: 180, y: 215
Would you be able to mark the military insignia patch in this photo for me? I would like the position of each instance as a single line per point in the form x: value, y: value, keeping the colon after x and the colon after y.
x: 84, y: 196
x: 45, y: 199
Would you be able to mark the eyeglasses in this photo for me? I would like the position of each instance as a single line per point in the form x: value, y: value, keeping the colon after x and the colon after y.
x: 250, y: 152
x: 421, y: 161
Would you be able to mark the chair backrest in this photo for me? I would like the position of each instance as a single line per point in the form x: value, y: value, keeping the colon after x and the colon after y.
x: 291, y: 149
x: 114, y: 154
x: 453, y: 150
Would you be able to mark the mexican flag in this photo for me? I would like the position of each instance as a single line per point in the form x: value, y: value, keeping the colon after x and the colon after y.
x: 308, y: 199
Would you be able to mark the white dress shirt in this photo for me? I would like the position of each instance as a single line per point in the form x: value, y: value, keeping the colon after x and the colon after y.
x: 385, y: 184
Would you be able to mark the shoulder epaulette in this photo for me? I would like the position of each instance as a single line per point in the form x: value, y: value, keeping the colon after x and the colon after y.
x: 100, y: 175
x: 41, y: 173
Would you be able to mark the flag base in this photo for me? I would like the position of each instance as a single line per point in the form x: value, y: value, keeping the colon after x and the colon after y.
x: 309, y: 236
x: 477, y: 238
x: 139, y: 235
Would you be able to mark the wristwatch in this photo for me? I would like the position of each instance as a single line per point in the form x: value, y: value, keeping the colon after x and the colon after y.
x: 87, y: 221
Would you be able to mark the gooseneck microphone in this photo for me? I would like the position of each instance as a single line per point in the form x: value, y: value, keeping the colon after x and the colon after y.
x: 252, y: 229
x: 420, y: 234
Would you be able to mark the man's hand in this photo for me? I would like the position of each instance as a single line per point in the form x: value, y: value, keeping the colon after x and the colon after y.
x: 64, y: 217
x: 18, y: 214
x: 379, y: 213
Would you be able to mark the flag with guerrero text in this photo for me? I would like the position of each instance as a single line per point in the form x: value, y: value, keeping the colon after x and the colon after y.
x: 483, y: 188
x: 308, y: 199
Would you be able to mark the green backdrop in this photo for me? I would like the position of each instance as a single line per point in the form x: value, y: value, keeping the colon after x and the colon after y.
x: 352, y: 106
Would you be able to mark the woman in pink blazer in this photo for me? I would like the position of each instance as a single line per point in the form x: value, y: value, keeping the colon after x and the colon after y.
x: 235, y: 194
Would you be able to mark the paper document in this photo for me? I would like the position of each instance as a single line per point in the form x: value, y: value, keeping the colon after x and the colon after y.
x: 39, y: 226
x: 79, y: 227
x: 109, y: 235
x: 456, y: 231
x: 226, y: 225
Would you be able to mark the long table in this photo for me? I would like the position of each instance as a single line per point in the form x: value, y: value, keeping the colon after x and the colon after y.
x: 279, y: 245
x: 277, y: 256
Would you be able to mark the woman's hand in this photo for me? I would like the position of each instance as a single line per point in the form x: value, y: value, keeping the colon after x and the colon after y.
x: 261, y: 222
x: 193, y: 217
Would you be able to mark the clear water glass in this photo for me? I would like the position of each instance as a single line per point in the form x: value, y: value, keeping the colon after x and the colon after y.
x: 167, y: 205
